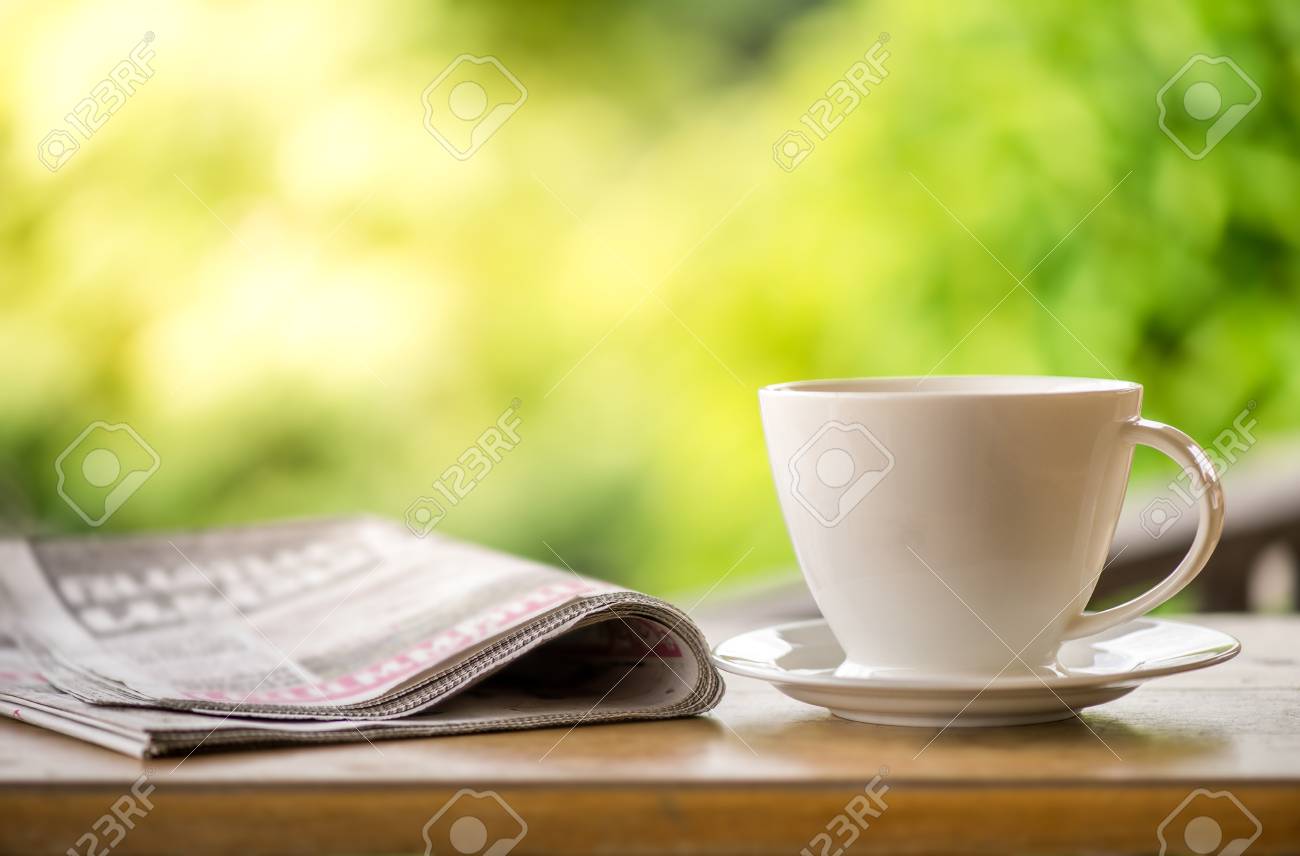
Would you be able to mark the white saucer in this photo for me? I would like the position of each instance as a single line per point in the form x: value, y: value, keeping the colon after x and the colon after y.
x: 800, y: 660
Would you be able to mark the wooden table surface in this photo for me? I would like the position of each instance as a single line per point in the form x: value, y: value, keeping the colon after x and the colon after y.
x: 761, y: 774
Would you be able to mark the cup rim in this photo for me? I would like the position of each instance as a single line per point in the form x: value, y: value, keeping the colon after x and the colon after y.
x: 952, y: 386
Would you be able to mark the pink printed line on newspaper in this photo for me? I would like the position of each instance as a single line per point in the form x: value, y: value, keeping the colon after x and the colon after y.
x: 23, y: 678
x: 429, y: 652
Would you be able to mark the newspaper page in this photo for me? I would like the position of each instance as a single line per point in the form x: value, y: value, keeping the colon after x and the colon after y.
x: 313, y: 631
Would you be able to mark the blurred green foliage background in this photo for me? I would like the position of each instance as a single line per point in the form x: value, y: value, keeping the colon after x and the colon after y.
x: 267, y: 266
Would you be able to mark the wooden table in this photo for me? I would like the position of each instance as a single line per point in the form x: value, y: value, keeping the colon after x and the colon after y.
x: 762, y: 774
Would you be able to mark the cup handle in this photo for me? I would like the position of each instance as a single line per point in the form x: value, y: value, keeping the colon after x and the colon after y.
x: 1205, y: 482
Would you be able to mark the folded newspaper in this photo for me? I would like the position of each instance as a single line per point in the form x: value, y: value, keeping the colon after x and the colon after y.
x: 322, y: 632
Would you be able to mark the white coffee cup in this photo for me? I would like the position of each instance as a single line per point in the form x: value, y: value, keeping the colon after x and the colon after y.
x: 958, y: 525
